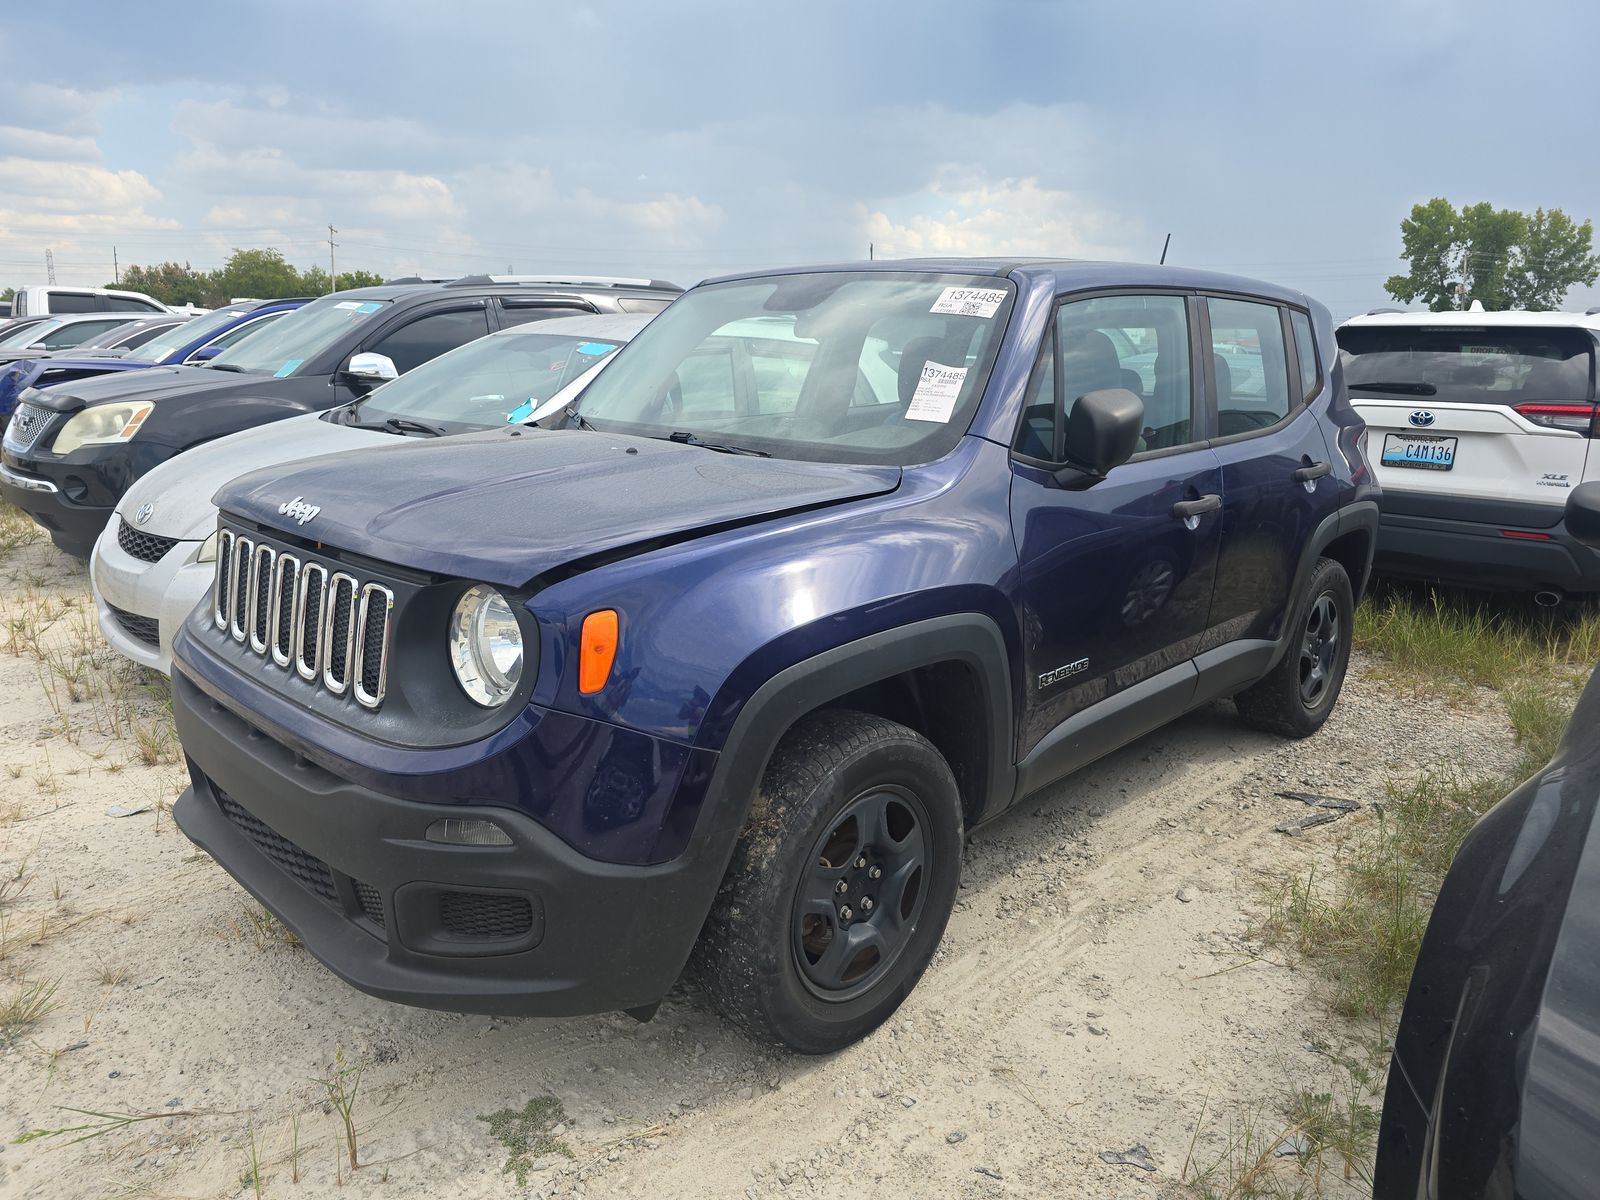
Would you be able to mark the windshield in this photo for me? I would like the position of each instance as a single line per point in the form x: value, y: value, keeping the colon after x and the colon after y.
x: 1470, y: 364
x: 17, y: 339
x: 169, y: 341
x: 280, y: 349
x: 868, y: 367
x: 488, y: 382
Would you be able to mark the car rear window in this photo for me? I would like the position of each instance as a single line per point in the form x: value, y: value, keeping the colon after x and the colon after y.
x: 1470, y: 364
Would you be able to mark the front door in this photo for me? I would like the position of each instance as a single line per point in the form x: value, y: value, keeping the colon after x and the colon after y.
x: 1116, y: 581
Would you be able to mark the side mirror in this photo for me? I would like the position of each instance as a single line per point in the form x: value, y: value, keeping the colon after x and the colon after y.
x: 1583, y: 514
x: 372, y: 368
x: 1103, y: 430
x: 205, y: 353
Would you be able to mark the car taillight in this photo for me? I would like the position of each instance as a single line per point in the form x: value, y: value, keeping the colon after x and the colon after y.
x: 1575, y: 418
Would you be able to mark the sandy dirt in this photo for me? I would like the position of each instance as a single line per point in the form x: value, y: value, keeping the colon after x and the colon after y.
x: 1098, y: 987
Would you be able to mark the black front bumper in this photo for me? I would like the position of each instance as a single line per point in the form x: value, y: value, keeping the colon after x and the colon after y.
x: 533, y: 929
x: 72, y: 526
x: 1500, y: 545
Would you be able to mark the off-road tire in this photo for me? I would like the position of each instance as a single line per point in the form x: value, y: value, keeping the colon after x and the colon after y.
x: 1278, y: 703
x: 751, y: 957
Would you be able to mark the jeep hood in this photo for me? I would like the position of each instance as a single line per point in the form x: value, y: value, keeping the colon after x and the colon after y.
x: 506, y: 509
x: 179, y: 491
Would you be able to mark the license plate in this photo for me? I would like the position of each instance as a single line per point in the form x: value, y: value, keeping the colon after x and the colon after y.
x: 1420, y: 451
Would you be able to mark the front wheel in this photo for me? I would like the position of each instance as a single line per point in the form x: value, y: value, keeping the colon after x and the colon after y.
x: 1296, y: 697
x: 840, y: 887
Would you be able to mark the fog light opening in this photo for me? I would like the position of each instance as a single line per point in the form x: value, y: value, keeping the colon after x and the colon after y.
x: 453, y: 831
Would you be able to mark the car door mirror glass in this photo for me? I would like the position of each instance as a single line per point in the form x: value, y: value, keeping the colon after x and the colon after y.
x: 372, y: 368
x: 1583, y: 514
x: 1103, y: 430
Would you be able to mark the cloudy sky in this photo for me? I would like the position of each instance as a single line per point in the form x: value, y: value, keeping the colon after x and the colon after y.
x: 691, y: 138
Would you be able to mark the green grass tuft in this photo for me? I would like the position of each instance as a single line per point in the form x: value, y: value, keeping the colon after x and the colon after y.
x: 525, y: 1134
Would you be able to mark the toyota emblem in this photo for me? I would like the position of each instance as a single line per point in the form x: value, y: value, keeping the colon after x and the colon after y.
x: 146, y: 511
x: 1422, y: 418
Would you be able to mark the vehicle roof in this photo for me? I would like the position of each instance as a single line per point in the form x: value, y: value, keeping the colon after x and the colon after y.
x: 1479, y: 319
x: 616, y: 325
x: 1064, y: 274
x: 129, y: 315
x: 512, y: 285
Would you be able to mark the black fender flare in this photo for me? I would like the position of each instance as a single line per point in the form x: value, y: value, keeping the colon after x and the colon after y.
x: 969, y: 638
x: 1357, y: 517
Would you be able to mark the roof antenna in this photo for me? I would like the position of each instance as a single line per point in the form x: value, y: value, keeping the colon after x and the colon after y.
x: 1164, y: 246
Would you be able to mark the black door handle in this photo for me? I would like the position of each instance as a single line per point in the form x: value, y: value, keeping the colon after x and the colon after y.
x: 1184, y: 509
x: 1314, y: 471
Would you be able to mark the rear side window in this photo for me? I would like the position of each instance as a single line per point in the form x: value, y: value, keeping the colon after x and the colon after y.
x: 140, y: 336
x: 1250, y: 365
x: 522, y: 314
x: 1305, y: 349
x: 1470, y: 364
x: 74, y: 302
x: 428, y: 337
x: 127, y: 304
x: 76, y: 333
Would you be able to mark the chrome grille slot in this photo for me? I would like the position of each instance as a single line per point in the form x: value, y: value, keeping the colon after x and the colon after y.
x: 261, y: 570
x: 220, y: 591
x: 328, y: 627
x: 310, y: 599
x: 372, y: 644
x: 339, y: 633
x: 244, y: 553
x: 280, y: 626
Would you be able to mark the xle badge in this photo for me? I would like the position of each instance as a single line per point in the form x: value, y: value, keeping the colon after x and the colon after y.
x: 1060, y: 673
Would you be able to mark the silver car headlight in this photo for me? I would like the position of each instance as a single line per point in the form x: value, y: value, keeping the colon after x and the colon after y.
x: 102, y: 423
x: 486, y: 646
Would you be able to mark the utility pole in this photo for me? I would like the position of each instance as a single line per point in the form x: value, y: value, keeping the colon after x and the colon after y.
x: 49, y: 267
x: 116, y: 269
x: 333, y: 278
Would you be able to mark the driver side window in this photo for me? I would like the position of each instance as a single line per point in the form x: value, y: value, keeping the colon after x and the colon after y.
x: 1137, y: 343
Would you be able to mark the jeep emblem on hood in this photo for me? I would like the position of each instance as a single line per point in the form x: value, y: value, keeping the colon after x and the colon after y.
x: 299, y: 510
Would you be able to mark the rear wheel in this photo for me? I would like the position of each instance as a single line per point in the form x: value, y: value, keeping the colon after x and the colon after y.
x: 1296, y: 698
x: 841, y: 884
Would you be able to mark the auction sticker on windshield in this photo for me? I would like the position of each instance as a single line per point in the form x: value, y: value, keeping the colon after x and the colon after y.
x: 1419, y: 451
x: 935, y: 397
x: 969, y: 302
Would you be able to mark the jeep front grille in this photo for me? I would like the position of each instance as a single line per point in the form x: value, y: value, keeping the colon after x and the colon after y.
x: 328, y: 626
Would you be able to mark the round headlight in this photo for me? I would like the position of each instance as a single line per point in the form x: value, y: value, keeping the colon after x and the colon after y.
x: 486, y: 646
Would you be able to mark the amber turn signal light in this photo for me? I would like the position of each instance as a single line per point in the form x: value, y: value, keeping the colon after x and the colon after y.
x: 597, y: 650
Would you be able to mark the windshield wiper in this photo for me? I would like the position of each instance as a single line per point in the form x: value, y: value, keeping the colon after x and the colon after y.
x: 684, y: 438
x: 407, y: 425
x: 1403, y: 389
x: 216, y: 366
x: 573, y: 414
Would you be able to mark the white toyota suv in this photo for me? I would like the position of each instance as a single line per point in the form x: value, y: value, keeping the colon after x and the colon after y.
x: 1482, y: 423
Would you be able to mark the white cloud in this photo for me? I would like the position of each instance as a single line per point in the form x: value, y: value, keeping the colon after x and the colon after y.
x: 972, y: 216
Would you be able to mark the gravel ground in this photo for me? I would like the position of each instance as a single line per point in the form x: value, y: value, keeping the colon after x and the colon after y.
x: 1097, y: 990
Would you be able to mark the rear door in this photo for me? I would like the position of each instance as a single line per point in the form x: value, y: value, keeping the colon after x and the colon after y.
x: 1498, y: 414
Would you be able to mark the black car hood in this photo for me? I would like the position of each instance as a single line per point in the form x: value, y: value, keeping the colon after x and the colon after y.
x: 506, y: 509
x: 152, y: 383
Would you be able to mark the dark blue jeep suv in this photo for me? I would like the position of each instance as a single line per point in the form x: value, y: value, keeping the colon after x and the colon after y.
x: 828, y: 567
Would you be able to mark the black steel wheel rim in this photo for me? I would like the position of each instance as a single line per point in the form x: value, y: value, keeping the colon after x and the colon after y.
x: 863, y: 889
x: 1319, y: 650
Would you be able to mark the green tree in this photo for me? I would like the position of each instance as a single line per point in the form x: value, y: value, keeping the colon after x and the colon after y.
x: 1556, y: 253
x: 1500, y: 257
x: 168, y: 282
x: 259, y: 274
